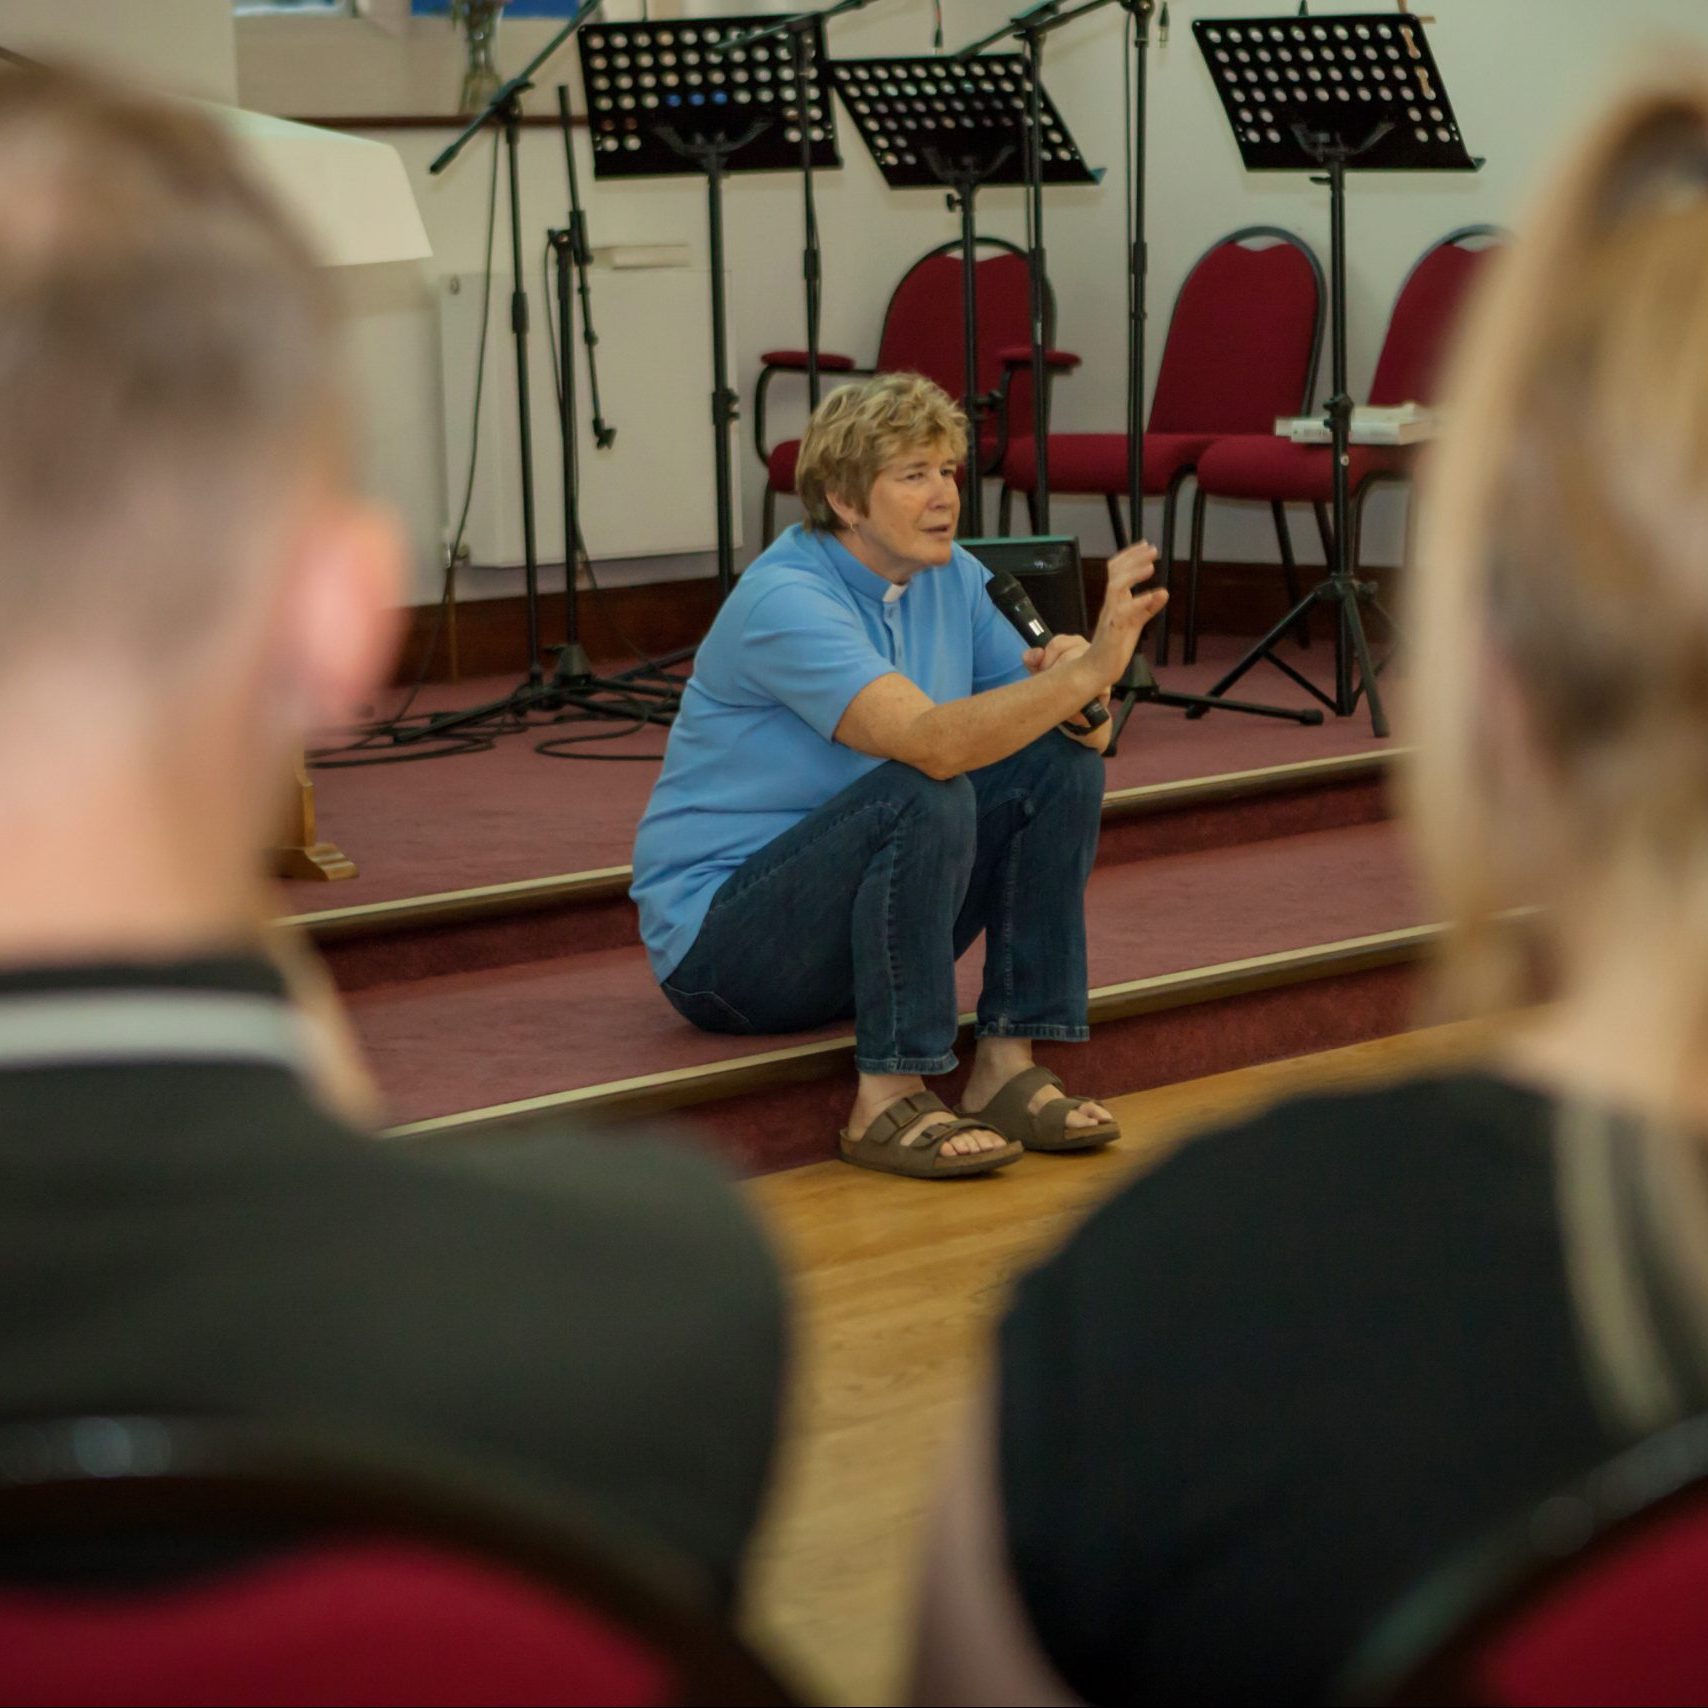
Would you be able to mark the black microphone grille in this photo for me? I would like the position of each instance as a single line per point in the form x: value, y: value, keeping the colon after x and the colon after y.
x: 1006, y: 592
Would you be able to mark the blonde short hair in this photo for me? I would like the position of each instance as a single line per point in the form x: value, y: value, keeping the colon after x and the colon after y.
x: 1562, y: 587
x: 1560, y: 676
x: 860, y: 429
x: 167, y: 373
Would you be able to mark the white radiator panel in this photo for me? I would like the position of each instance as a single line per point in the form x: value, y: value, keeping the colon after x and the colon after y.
x: 651, y: 494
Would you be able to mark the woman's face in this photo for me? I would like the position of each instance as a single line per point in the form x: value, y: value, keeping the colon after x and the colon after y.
x: 909, y: 521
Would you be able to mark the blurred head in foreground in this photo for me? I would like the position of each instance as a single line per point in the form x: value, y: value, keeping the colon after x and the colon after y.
x: 1560, y: 682
x: 1560, y: 690
x: 187, y: 581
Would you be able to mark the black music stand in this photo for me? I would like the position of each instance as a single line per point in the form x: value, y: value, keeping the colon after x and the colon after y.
x: 1356, y: 92
x: 805, y: 33
x: 1029, y: 28
x: 960, y: 124
x: 661, y: 104
x: 1139, y: 684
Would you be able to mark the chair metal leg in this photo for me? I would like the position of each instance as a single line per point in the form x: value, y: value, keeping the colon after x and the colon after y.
x: 1032, y: 511
x: 1165, y: 562
x: 768, y: 523
x: 1199, y: 505
x: 1117, y: 526
x: 1290, y: 569
x: 1005, y: 511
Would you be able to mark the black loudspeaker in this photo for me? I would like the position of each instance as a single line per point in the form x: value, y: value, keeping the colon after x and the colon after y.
x: 1048, y: 567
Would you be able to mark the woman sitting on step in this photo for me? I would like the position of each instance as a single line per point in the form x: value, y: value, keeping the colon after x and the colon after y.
x: 1279, y: 1379
x: 870, y: 770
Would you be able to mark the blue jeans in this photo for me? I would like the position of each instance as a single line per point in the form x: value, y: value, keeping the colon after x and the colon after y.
x: 864, y: 907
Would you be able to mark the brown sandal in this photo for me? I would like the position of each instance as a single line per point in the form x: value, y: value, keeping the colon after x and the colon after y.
x: 876, y: 1147
x: 1008, y: 1113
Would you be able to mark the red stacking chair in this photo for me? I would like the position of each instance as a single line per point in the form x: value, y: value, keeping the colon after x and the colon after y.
x: 1260, y: 464
x: 146, y: 1561
x: 1242, y: 349
x: 1598, y: 1596
x: 924, y: 333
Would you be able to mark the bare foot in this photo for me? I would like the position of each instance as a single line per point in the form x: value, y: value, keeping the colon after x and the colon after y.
x: 879, y: 1092
x: 1000, y: 1060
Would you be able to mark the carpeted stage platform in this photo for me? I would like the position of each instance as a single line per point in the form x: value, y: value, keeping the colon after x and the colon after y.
x: 1250, y: 902
x: 510, y: 813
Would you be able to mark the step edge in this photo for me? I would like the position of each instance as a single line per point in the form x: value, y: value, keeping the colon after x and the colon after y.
x: 712, y: 1081
x: 600, y: 883
x: 1242, y: 785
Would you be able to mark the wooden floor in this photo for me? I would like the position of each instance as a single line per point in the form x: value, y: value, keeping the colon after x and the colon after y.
x: 897, y: 1284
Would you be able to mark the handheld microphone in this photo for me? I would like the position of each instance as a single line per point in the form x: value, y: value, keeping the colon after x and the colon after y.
x: 1011, y: 599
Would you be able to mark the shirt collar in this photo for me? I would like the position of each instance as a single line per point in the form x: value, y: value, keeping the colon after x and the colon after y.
x: 234, y: 974
x: 866, y: 582
x: 212, y: 1010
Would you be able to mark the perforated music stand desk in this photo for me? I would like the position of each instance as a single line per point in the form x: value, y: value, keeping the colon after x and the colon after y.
x: 647, y: 82
x: 659, y: 106
x: 906, y: 109
x: 956, y: 124
x: 1358, y: 92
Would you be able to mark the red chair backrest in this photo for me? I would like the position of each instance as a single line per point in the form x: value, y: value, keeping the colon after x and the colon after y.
x: 1421, y: 327
x: 363, y: 1623
x: 284, y: 1566
x: 1629, y: 1625
x: 1598, y: 1595
x: 924, y: 333
x: 1243, y: 340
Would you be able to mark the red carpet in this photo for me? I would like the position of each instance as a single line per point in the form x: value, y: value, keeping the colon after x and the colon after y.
x: 497, y: 1008
x: 510, y: 813
x: 468, y: 1040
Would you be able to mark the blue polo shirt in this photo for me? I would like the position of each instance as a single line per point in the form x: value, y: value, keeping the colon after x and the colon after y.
x: 752, y: 751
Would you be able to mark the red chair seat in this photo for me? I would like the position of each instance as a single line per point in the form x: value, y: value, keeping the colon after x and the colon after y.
x: 828, y: 360
x: 1268, y: 467
x: 1096, y: 463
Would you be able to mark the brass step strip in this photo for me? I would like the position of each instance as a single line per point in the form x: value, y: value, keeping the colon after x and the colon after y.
x: 651, y: 1094
x: 1243, y: 785
x: 527, y: 895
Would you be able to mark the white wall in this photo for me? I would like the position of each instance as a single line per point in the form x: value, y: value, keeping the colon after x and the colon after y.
x: 1522, y: 73
x: 185, y: 46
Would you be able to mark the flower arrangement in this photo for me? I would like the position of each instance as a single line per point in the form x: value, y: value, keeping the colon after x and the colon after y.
x: 478, y: 20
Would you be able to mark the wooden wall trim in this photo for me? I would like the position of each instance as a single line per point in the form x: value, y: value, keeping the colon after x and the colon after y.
x: 617, y: 623
x: 661, y: 616
x: 428, y: 121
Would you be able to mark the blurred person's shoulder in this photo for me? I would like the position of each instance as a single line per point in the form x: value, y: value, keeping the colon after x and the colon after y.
x: 564, y: 1196
x: 623, y: 1180
x: 1331, y: 1184
x: 1349, y: 1305
x: 598, y: 1306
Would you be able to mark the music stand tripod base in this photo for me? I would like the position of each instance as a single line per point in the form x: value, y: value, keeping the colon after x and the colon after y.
x: 1139, y: 686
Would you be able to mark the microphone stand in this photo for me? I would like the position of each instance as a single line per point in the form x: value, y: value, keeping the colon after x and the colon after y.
x: 801, y: 28
x: 573, y: 683
x: 1139, y: 682
x: 504, y: 110
x: 1029, y: 28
